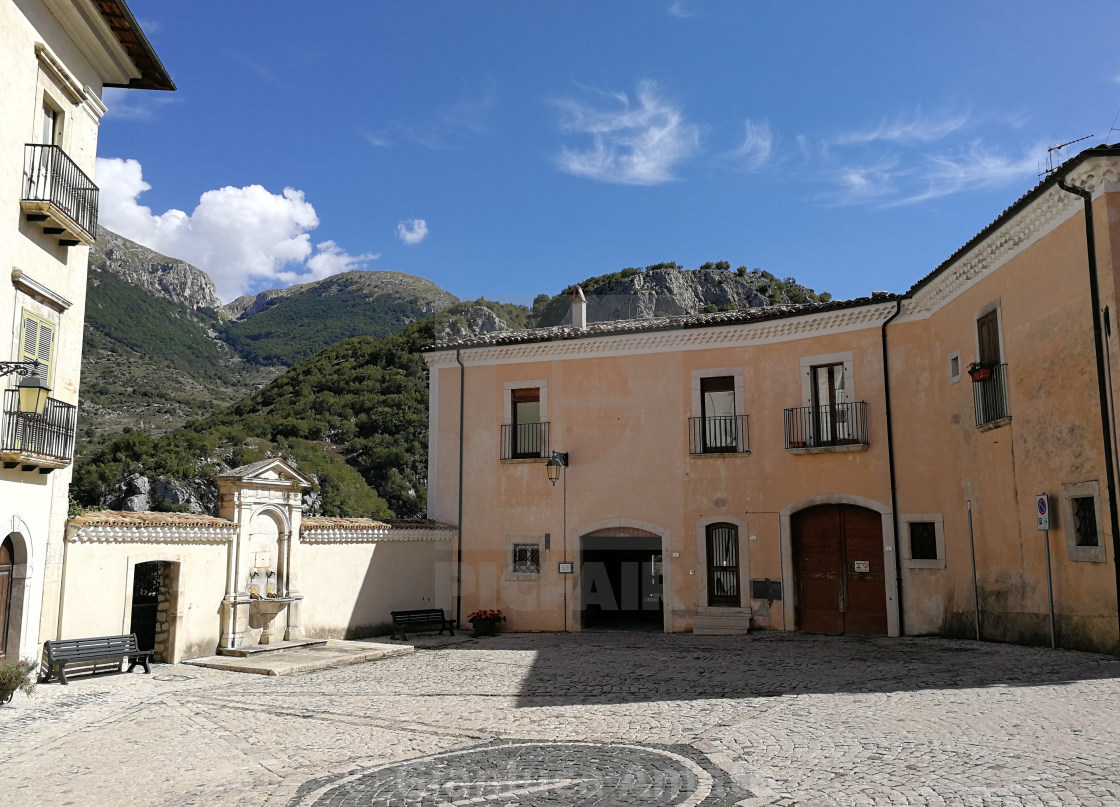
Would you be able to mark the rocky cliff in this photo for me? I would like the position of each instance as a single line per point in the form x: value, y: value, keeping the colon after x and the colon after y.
x: 157, y: 274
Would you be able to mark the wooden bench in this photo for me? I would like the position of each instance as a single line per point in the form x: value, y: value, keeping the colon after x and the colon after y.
x: 57, y: 653
x: 421, y: 618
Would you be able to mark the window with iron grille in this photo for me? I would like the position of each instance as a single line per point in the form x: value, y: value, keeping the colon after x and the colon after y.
x: 526, y: 559
x: 1084, y: 509
x: 923, y: 540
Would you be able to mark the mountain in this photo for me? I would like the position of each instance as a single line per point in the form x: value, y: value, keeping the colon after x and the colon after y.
x: 282, y: 326
x: 667, y: 290
x: 161, y: 350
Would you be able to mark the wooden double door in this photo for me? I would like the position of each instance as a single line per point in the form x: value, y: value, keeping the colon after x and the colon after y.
x: 840, y: 573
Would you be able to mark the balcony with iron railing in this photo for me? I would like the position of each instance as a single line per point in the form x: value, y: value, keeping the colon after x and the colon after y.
x: 719, y: 434
x: 525, y: 441
x: 989, y: 397
x: 44, y: 442
x: 58, y: 195
x: 824, y: 429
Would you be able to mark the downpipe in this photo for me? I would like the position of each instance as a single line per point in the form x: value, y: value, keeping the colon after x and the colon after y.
x: 459, y: 522
x: 890, y: 465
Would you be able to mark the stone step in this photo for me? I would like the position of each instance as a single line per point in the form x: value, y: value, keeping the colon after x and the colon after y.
x: 714, y: 622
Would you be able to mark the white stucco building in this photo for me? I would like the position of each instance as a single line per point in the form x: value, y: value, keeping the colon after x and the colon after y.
x: 56, y: 56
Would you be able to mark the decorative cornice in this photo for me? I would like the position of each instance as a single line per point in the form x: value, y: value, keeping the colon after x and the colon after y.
x: 375, y: 532
x: 797, y: 325
x: 25, y: 283
x: 59, y: 74
x: 154, y: 534
x: 94, y: 105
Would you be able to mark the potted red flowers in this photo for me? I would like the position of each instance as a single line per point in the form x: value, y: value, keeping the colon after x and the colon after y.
x: 979, y: 372
x: 485, y: 622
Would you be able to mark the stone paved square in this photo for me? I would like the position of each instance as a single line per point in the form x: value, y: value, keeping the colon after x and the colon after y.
x: 592, y: 718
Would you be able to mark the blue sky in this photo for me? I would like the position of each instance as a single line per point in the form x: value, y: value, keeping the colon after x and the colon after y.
x: 507, y: 149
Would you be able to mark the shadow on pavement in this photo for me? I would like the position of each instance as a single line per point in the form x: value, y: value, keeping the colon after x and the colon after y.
x: 621, y: 667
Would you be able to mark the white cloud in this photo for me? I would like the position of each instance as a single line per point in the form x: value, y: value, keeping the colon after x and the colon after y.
x: 238, y: 236
x: 635, y: 144
x: 915, y: 128
x: 758, y: 143
x: 132, y: 105
x: 412, y: 231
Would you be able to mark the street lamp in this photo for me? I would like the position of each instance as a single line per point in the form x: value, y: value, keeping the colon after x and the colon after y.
x: 32, y: 389
x: 552, y: 467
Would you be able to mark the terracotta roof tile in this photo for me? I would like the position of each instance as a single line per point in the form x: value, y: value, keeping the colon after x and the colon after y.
x: 562, y: 332
x: 144, y: 518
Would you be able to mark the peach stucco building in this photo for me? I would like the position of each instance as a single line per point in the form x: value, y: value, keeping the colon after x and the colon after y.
x: 827, y: 467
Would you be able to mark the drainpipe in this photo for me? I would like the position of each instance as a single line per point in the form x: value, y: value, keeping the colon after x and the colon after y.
x: 1102, y: 390
x: 459, y: 548
x: 890, y: 464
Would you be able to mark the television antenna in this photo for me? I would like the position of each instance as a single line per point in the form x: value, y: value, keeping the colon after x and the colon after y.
x: 1050, y: 154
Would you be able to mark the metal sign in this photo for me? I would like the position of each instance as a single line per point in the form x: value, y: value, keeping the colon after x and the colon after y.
x: 1042, y: 510
x: 862, y: 566
x: 565, y: 567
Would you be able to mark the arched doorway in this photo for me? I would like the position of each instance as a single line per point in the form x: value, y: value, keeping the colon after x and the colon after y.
x: 621, y: 580
x: 7, y: 568
x: 839, y: 570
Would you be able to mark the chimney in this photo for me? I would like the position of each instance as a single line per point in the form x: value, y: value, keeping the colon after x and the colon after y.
x: 579, y: 309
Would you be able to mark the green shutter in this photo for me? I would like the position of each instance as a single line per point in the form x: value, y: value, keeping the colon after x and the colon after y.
x: 35, y: 343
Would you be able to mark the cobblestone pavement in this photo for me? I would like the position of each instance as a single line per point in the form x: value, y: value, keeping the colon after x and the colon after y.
x: 593, y: 718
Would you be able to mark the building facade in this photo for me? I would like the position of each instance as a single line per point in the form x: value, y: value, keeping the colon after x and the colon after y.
x: 56, y: 56
x: 828, y: 467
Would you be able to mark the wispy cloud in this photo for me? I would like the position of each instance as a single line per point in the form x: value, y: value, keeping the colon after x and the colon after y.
x: 241, y: 237
x: 132, y: 105
x: 976, y: 166
x: 444, y: 127
x: 680, y: 10
x: 757, y: 146
x: 412, y: 231
x: 638, y: 142
x: 913, y: 128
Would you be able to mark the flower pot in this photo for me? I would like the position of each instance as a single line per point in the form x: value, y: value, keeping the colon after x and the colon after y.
x: 6, y: 695
x: 484, y: 628
x: 982, y: 374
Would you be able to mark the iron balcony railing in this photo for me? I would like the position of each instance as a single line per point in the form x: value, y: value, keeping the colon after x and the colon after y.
x: 989, y: 395
x: 719, y: 434
x: 50, y: 434
x: 522, y: 441
x: 823, y: 426
x: 51, y: 176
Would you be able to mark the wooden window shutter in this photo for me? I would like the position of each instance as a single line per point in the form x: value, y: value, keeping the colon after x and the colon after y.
x: 987, y: 332
x: 36, y: 341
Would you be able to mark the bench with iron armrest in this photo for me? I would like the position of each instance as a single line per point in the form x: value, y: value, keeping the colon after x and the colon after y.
x: 419, y: 619
x: 57, y: 653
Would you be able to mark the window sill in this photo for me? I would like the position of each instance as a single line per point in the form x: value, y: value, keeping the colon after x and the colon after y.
x: 840, y: 449
x: 909, y: 563
x: 1085, y: 554
x: 994, y: 424
x: 524, y: 459
x: 721, y: 454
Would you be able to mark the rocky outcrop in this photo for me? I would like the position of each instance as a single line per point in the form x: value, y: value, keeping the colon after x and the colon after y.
x: 665, y: 290
x: 474, y: 321
x: 137, y: 493
x: 157, y: 274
